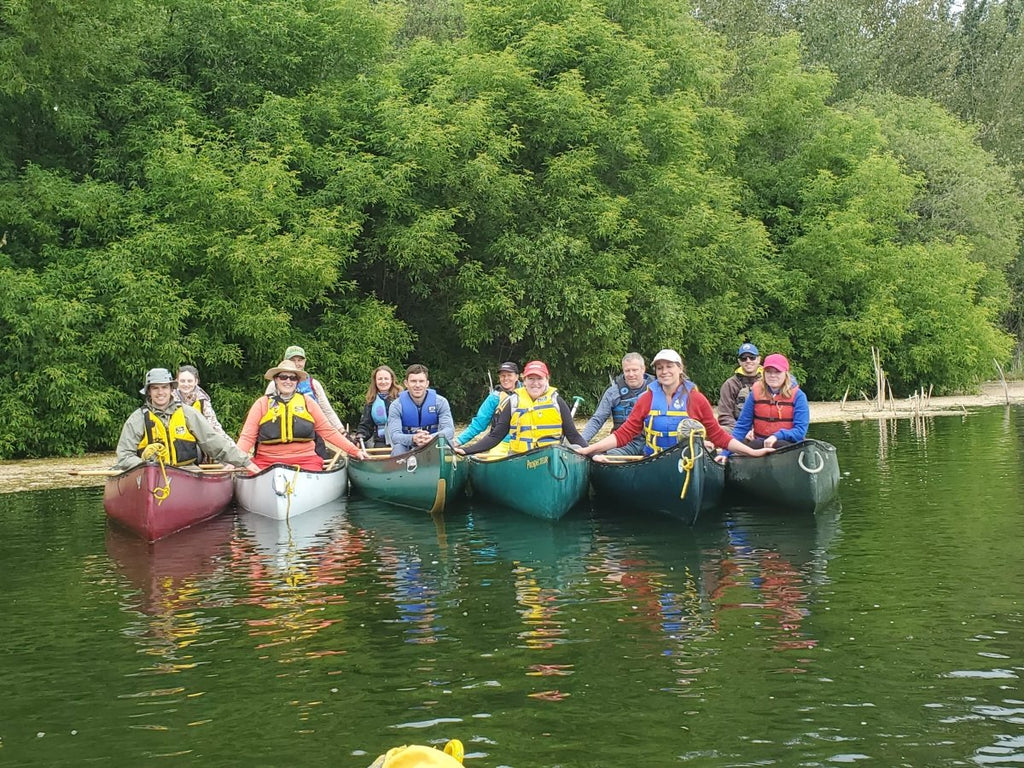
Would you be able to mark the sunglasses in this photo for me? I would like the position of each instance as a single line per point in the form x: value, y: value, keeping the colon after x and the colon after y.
x: 286, y: 377
x: 747, y: 358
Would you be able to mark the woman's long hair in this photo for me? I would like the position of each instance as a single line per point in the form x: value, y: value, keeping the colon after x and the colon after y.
x: 784, y: 391
x: 371, y: 392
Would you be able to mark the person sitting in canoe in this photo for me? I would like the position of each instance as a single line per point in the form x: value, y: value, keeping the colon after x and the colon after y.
x: 535, y: 415
x: 418, y: 414
x: 776, y: 411
x: 310, y: 387
x: 165, y: 429
x: 669, y: 401
x: 381, y: 393
x: 736, y: 388
x: 618, y: 400
x: 190, y: 393
x: 282, y: 426
x: 486, y: 415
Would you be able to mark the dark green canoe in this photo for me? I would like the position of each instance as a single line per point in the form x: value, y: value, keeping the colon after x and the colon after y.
x: 545, y: 482
x: 428, y: 479
x: 802, y: 477
x: 667, y: 483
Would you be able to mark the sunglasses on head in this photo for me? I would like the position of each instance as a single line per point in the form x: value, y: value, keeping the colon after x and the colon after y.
x: 287, y: 377
x: 747, y: 358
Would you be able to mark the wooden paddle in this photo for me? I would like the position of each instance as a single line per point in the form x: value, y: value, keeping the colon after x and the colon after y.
x: 337, y: 455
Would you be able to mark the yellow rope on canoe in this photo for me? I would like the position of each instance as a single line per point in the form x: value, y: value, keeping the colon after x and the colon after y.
x: 289, y: 489
x: 688, y: 461
x: 159, y: 452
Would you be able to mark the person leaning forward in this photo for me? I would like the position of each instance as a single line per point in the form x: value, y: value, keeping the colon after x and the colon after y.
x: 418, y: 414
x: 660, y: 412
x: 283, y: 426
x: 182, y: 431
x: 534, y: 416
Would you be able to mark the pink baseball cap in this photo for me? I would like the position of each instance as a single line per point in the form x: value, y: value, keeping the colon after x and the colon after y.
x: 778, y: 362
x: 536, y: 368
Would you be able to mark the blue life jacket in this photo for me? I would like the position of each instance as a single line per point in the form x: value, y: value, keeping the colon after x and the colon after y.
x: 379, y: 414
x: 416, y: 417
x: 627, y: 398
x: 305, y: 387
x: 661, y: 428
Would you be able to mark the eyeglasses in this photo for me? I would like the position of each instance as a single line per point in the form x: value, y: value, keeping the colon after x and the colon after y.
x: 286, y: 377
x: 747, y: 358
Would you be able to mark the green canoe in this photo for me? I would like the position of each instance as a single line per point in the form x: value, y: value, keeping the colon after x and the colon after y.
x: 545, y: 482
x: 667, y: 482
x: 429, y: 478
x: 802, y: 477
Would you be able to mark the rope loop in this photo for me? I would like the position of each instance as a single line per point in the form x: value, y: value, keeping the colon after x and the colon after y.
x: 158, y: 451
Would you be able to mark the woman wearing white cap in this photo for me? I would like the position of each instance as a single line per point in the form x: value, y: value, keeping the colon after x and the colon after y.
x: 776, y: 410
x: 283, y: 426
x: 668, y: 401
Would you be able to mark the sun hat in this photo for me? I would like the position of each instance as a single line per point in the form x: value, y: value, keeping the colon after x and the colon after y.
x: 535, y: 368
x: 294, y: 351
x: 508, y: 367
x: 157, y: 376
x: 746, y: 348
x: 669, y: 355
x: 778, y: 362
x: 285, y: 366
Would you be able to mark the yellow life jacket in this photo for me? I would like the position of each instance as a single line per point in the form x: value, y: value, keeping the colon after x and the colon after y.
x: 176, y: 436
x: 534, y: 422
x: 287, y: 422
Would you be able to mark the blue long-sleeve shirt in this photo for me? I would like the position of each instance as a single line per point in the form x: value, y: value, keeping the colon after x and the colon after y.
x: 796, y: 433
x: 482, y: 421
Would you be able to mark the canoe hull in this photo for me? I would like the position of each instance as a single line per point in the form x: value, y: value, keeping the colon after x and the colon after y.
x: 656, y: 483
x: 802, y: 478
x: 545, y: 482
x: 131, y: 499
x: 428, y: 479
x: 281, y: 492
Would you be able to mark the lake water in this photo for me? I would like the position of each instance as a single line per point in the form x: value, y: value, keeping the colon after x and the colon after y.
x: 885, y: 631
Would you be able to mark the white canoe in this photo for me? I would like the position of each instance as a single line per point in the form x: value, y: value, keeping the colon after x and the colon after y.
x: 280, y: 492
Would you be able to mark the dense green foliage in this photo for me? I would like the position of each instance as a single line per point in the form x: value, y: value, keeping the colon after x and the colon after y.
x: 459, y: 184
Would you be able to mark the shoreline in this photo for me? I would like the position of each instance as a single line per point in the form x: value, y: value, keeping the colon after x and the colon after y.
x: 39, y: 474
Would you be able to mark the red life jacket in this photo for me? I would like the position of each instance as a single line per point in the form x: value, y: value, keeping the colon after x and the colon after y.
x: 772, y: 412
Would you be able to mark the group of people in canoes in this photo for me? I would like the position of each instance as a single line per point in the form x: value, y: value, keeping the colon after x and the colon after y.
x: 760, y: 407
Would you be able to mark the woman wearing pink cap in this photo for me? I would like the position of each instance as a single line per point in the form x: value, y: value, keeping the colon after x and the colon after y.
x: 659, y: 412
x: 776, y: 410
x: 533, y: 416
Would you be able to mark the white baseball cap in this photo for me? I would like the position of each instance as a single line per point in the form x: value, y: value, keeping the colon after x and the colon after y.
x: 668, y: 355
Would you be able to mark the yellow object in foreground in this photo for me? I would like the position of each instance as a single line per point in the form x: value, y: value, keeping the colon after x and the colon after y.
x: 417, y: 756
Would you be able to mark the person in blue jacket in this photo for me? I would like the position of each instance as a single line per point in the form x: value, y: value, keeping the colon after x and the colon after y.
x: 508, y: 380
x: 618, y: 401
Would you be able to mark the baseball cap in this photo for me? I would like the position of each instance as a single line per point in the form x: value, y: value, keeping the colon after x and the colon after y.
x: 779, y: 362
x: 746, y: 348
x: 668, y: 355
x: 294, y: 351
x: 536, y: 368
x: 508, y: 367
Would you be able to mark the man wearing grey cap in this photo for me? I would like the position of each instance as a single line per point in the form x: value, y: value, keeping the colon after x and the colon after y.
x: 508, y: 380
x: 736, y: 388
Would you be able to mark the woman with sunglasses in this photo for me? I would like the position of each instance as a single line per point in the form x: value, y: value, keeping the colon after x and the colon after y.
x: 283, y: 426
x: 736, y: 388
x: 776, y: 410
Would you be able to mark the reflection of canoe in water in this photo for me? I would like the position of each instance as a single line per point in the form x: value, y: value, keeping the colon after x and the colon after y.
x: 545, y: 482
x: 280, y: 492
x: 163, y: 570
x: 669, y: 482
x: 429, y: 478
x: 153, y: 504
x: 283, y: 538
x: 801, y: 477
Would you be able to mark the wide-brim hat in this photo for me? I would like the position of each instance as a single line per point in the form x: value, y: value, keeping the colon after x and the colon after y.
x: 285, y: 366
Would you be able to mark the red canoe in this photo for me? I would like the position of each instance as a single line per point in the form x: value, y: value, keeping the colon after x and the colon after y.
x: 153, y: 507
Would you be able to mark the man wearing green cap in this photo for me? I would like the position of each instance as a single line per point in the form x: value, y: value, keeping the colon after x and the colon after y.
x: 309, y: 387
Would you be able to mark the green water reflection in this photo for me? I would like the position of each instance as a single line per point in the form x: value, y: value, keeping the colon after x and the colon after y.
x: 885, y: 630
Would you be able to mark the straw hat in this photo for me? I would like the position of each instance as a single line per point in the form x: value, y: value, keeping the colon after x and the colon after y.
x: 285, y: 366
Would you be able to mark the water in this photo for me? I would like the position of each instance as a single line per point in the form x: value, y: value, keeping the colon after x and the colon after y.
x: 884, y: 631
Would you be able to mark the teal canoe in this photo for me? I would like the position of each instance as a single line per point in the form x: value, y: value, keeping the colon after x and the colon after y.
x: 428, y: 479
x: 802, y: 477
x: 545, y: 482
x: 668, y: 483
